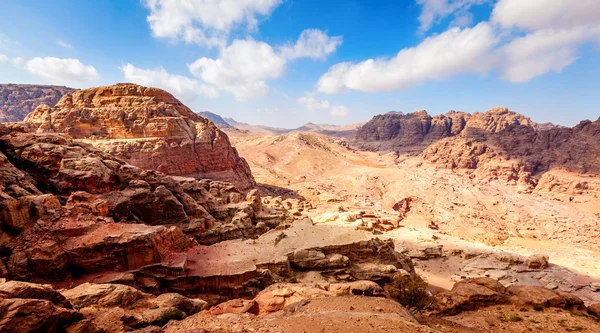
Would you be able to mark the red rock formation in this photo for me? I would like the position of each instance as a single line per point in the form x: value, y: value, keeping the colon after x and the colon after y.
x: 148, y: 128
x: 60, y: 199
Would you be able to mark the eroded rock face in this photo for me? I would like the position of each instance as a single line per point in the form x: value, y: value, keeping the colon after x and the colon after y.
x: 513, y: 149
x: 69, y: 209
x: 17, y: 100
x: 148, y: 128
x: 471, y: 294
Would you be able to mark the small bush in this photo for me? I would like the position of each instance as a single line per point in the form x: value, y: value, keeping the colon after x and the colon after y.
x: 410, y: 291
x: 513, y: 318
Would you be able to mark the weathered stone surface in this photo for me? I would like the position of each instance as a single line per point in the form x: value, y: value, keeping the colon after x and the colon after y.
x: 17, y: 100
x: 594, y: 309
x: 537, y: 261
x: 278, y: 296
x: 71, y: 229
x: 148, y: 128
x: 471, y: 294
x: 364, y: 288
x: 18, y: 289
x: 103, y: 295
x: 34, y: 315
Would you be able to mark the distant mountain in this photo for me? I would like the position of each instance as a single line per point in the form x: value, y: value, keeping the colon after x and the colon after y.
x: 18, y: 100
x: 345, y: 131
x: 215, y: 118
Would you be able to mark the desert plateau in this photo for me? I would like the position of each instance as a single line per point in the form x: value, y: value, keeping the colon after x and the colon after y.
x: 270, y: 189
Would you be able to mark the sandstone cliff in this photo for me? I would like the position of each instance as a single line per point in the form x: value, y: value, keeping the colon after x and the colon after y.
x: 148, y: 128
x: 396, y: 129
x: 17, y: 100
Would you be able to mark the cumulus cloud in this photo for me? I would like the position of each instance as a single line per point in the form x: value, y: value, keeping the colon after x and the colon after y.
x: 555, y: 30
x: 436, y: 10
x: 206, y: 22
x: 522, y: 40
x: 452, y: 52
x: 313, y: 43
x: 62, y: 71
x: 546, y: 14
x: 64, y: 44
x: 241, y: 68
x: 181, y: 87
x: 311, y: 103
x: 3, y: 58
x: 244, y: 67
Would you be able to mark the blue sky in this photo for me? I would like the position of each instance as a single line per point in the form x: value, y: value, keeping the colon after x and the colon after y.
x: 285, y: 63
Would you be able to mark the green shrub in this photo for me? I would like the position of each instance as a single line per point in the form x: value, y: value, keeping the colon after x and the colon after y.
x: 410, y: 291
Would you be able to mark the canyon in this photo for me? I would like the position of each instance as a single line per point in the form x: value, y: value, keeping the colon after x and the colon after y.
x: 123, y: 210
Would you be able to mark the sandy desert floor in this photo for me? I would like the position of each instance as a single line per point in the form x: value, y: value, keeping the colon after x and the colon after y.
x: 457, y: 224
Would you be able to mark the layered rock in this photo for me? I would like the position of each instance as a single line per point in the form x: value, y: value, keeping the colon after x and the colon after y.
x: 68, y: 209
x: 414, y: 129
x: 520, y: 148
x: 148, y: 128
x: 17, y: 100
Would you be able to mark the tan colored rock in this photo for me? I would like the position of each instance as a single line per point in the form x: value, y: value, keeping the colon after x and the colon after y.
x: 34, y: 315
x: 19, y: 289
x: 148, y: 128
x: 103, y: 295
x: 594, y: 310
x: 364, y: 288
x: 278, y: 296
x: 537, y: 261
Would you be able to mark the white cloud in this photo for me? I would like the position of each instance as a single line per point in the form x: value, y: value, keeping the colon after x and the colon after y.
x: 3, y: 58
x: 436, y: 10
x: 244, y: 67
x: 339, y: 111
x: 62, y: 71
x: 541, y: 52
x: 313, y: 43
x: 556, y: 30
x: 207, y: 22
x: 452, y: 52
x: 311, y: 103
x: 181, y: 87
x: 546, y: 14
x: 64, y: 44
x: 241, y: 68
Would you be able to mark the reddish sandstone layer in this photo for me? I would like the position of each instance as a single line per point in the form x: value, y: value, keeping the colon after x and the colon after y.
x: 148, y: 128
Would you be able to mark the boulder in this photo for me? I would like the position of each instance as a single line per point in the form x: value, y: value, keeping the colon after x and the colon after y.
x: 594, y: 309
x: 537, y: 261
x: 278, y: 296
x: 34, y: 315
x: 104, y: 295
x: 364, y: 288
x: 18, y: 289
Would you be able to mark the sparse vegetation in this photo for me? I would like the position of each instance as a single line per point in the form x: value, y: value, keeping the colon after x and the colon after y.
x: 411, y: 291
x: 513, y: 318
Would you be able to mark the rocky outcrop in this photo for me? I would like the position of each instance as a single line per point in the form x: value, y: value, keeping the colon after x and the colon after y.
x: 516, y: 150
x: 148, y: 128
x: 413, y: 129
x: 471, y: 294
x: 512, y: 141
x: 26, y: 307
x: 68, y: 209
x: 17, y: 100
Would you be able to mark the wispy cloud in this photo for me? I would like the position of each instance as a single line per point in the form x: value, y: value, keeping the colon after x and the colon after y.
x: 64, y: 44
